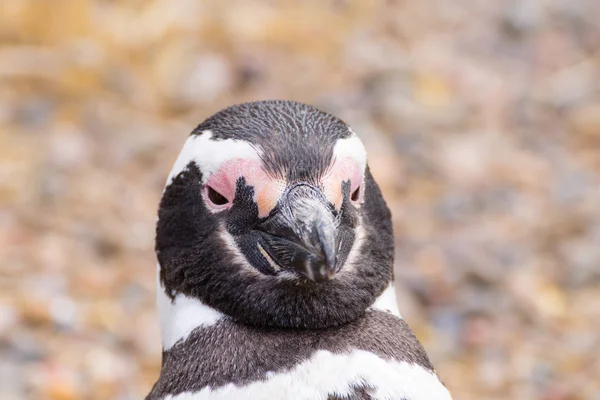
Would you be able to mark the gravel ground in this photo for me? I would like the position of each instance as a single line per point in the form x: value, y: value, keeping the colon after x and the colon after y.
x: 482, y: 120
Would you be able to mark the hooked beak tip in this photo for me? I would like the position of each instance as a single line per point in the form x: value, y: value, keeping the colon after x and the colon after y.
x: 320, y: 267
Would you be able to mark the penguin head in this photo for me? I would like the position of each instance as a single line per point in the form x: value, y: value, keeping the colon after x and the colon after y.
x: 271, y: 216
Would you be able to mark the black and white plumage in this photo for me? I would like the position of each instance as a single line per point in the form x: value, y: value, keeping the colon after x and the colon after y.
x: 275, y: 252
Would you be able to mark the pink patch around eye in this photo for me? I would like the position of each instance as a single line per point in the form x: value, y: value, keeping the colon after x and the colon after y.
x: 267, y: 190
x: 343, y: 170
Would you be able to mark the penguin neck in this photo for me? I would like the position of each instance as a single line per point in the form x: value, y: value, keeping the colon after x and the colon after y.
x: 387, y: 301
x: 183, y: 314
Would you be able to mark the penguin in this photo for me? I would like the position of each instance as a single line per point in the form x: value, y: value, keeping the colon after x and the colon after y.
x: 275, y: 252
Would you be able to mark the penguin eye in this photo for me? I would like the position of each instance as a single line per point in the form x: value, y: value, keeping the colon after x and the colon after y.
x: 215, y: 198
x: 355, y: 195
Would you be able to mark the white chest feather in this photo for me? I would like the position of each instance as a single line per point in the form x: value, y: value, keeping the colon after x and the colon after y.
x: 326, y: 373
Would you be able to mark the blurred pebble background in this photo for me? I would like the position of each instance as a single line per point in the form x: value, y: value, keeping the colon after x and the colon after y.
x: 482, y: 120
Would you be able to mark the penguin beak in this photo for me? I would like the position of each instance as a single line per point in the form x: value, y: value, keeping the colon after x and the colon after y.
x: 301, y: 234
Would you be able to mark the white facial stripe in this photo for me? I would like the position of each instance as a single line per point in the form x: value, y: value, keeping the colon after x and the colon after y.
x: 178, y: 318
x: 222, y: 162
x: 210, y: 154
x: 351, y: 147
x: 326, y: 373
x: 387, y: 301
